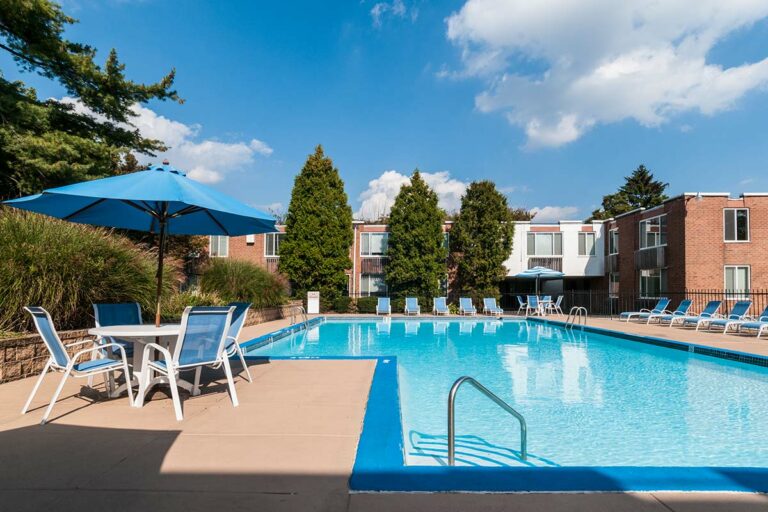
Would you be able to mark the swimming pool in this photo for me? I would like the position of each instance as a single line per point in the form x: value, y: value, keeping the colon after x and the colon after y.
x: 590, y: 399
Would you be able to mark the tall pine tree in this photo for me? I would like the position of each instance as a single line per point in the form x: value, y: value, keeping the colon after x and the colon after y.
x: 417, y: 254
x: 640, y: 190
x: 481, y: 240
x: 315, y: 252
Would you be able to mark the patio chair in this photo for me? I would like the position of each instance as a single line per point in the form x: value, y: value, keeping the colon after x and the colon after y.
x: 466, y: 307
x: 555, y: 307
x: 202, y: 342
x: 738, y: 313
x: 412, y: 306
x: 490, y: 307
x: 109, y: 314
x: 759, y: 324
x: 667, y: 316
x: 61, y: 361
x: 709, y: 311
x: 440, y: 306
x: 747, y: 320
x: 522, y: 305
x: 643, y: 314
x: 532, y: 305
x: 238, y: 321
x: 383, y: 306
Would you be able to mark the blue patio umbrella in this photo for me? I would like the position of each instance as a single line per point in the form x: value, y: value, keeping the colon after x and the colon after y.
x: 539, y: 273
x: 160, y: 200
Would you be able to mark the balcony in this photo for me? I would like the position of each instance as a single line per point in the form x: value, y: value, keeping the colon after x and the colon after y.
x: 272, y: 263
x: 372, y: 265
x: 553, y: 262
x: 612, y: 263
x: 652, y: 257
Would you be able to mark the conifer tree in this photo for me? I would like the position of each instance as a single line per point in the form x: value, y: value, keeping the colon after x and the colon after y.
x: 640, y: 190
x: 481, y: 240
x: 315, y: 252
x: 417, y: 253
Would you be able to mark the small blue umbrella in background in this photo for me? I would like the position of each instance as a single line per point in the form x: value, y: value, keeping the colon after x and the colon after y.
x: 539, y: 273
x: 160, y: 200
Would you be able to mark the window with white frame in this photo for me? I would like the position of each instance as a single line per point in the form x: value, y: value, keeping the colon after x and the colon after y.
x: 219, y: 247
x: 447, y: 240
x: 372, y: 284
x: 272, y: 244
x: 613, y: 241
x: 736, y: 224
x: 737, y: 279
x: 652, y: 283
x: 545, y: 244
x: 653, y: 232
x: 586, y: 244
x: 373, y: 244
x: 613, y: 284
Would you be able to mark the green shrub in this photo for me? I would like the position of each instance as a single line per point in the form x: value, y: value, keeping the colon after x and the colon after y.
x: 174, y: 303
x: 65, y: 267
x: 367, y: 305
x: 342, y: 304
x: 234, y: 280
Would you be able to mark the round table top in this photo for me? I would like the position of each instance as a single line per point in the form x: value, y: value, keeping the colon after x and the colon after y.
x: 136, y: 331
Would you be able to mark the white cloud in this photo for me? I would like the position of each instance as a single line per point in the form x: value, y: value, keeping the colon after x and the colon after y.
x: 396, y: 8
x: 204, y: 160
x: 378, y: 198
x: 603, y: 61
x: 554, y: 213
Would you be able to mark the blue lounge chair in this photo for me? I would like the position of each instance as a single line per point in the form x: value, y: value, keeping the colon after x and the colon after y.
x: 440, y: 306
x: 709, y: 312
x: 238, y: 321
x: 383, y: 307
x: 738, y: 313
x: 412, y: 306
x: 490, y: 307
x: 466, y: 307
x: 666, y: 316
x: 532, y: 305
x: 521, y: 304
x: 61, y: 361
x: 643, y: 314
x: 202, y: 342
x: 760, y: 324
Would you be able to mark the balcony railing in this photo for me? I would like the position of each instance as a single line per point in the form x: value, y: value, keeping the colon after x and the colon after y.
x: 553, y: 262
x: 653, y: 257
x: 372, y: 265
x: 272, y: 263
x: 612, y: 263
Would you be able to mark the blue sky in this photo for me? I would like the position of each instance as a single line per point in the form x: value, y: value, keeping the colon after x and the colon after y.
x: 554, y: 110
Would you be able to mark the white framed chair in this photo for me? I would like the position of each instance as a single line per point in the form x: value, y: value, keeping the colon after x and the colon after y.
x: 235, y: 327
x: 109, y: 314
x: 555, y: 307
x: 61, y: 361
x: 522, y: 305
x: 202, y: 342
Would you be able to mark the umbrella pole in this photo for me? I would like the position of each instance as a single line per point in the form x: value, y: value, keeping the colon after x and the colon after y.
x: 160, y: 254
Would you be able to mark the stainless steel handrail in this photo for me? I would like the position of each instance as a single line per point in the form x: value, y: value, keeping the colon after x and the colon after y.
x: 501, y: 403
x: 303, y: 315
x: 577, y: 315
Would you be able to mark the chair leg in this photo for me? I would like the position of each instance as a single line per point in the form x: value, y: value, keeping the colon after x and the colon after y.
x: 56, y: 395
x: 231, y: 381
x: 127, y: 373
x: 245, y: 366
x: 196, y: 385
x: 175, y: 394
x: 37, y: 386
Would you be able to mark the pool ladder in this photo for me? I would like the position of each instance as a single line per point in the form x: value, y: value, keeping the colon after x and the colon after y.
x: 498, y: 401
x: 302, y: 312
x: 576, y: 316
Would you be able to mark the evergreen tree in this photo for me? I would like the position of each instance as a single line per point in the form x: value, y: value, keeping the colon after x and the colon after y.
x: 47, y: 143
x: 481, y: 240
x: 416, y: 251
x: 640, y: 190
x: 315, y: 252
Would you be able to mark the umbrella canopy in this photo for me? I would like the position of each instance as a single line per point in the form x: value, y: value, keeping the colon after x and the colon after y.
x: 539, y: 273
x: 160, y: 200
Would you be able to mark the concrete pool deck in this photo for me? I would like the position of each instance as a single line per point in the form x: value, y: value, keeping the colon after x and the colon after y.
x: 289, y: 446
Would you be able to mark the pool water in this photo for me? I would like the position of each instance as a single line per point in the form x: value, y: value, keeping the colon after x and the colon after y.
x: 589, y: 399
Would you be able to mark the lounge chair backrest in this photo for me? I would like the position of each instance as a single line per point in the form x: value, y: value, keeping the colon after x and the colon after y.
x: 711, y: 308
x: 383, y: 304
x: 661, y: 305
x: 239, y: 316
x: 533, y: 301
x: 411, y: 303
x: 739, y: 309
x: 440, y: 303
x: 684, y: 306
x: 489, y: 303
x: 124, y: 313
x: 520, y: 300
x: 764, y: 315
x: 203, y: 334
x: 559, y: 300
x: 50, y: 337
x: 466, y: 304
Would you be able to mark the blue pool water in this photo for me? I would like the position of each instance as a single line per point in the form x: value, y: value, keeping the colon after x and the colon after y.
x: 589, y: 399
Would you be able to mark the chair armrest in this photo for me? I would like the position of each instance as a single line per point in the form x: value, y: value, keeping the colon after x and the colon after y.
x: 646, y: 310
x: 98, y: 348
x: 82, y: 342
x: 154, y: 346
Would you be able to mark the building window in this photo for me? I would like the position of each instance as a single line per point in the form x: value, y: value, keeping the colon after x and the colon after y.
x: 373, y: 244
x: 613, y: 241
x: 586, y: 244
x: 736, y: 224
x: 613, y: 284
x: 373, y: 284
x: 250, y: 239
x: 653, y: 232
x: 545, y: 244
x: 446, y: 240
x: 272, y: 244
x: 219, y: 247
x: 737, y: 280
x: 652, y: 283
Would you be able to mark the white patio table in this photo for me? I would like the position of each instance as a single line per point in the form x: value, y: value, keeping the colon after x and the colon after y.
x: 141, y: 335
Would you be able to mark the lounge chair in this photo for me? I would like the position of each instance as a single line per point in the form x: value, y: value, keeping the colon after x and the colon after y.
x: 412, y: 306
x: 233, y: 347
x: 440, y: 306
x: 490, y: 307
x: 202, y: 342
x: 707, y: 313
x: 466, y: 307
x: 61, y: 361
x: 643, y: 314
x: 668, y: 316
x: 737, y: 314
x: 738, y: 324
x: 532, y: 305
x: 759, y: 324
x: 554, y: 307
x: 383, y: 307
x: 521, y: 304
